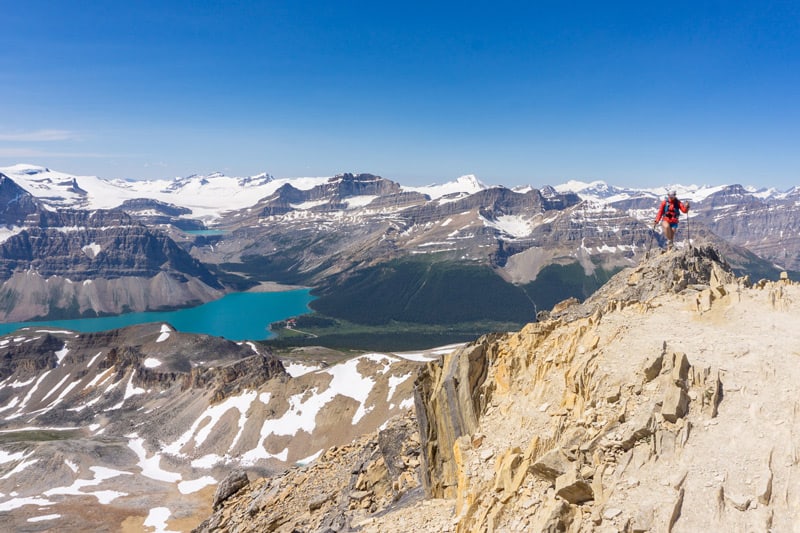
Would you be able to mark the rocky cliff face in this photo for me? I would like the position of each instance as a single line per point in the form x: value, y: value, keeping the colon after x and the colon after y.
x: 15, y: 203
x: 71, y: 263
x: 331, y: 196
x: 665, y: 403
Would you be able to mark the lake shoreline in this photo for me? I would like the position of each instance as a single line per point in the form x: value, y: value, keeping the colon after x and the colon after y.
x: 274, y: 286
x: 237, y: 316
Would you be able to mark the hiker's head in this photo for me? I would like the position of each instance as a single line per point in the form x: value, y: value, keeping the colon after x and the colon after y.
x: 672, y: 194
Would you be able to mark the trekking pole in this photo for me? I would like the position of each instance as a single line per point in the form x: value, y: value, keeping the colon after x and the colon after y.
x: 688, y: 233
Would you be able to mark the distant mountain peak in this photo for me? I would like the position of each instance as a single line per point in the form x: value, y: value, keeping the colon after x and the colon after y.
x: 27, y: 169
x: 472, y: 181
x: 464, y: 185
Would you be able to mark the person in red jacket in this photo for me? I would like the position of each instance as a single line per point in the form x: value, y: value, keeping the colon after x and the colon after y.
x: 668, y: 214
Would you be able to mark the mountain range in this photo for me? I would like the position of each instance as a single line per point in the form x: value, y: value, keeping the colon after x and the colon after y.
x: 366, y: 244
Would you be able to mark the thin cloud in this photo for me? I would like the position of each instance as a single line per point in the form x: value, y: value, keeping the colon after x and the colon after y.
x: 40, y: 136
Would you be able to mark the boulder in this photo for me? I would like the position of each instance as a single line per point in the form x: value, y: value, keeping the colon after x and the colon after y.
x: 233, y: 483
x: 573, y: 488
x: 550, y: 465
x: 676, y: 404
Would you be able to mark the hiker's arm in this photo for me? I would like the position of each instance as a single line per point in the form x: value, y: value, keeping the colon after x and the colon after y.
x: 659, y: 214
x: 684, y: 207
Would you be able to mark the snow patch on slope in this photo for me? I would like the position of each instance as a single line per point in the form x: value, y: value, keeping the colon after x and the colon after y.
x: 465, y: 185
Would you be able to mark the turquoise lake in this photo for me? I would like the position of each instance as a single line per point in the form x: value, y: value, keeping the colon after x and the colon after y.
x: 238, y: 316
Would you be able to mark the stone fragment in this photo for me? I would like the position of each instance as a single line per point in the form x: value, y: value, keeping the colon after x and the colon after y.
x: 614, y: 394
x: 712, y: 396
x: 664, y: 442
x: 556, y: 520
x: 519, y: 475
x: 573, y: 488
x: 571, y: 441
x: 680, y: 367
x: 784, y: 276
x: 738, y: 501
x: 652, y: 367
x: 448, y: 405
x: 359, y: 495
x: 718, y: 292
x: 316, y: 503
x: 229, y: 486
x: 675, y: 405
x: 550, y: 465
x: 564, y: 304
x: 641, y: 426
x: 505, y: 468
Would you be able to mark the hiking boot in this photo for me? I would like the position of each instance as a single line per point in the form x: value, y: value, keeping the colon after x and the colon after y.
x: 669, y: 246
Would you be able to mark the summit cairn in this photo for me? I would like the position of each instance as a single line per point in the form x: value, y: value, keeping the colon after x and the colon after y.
x: 665, y: 402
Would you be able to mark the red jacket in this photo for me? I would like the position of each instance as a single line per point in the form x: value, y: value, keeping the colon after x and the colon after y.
x: 670, y: 213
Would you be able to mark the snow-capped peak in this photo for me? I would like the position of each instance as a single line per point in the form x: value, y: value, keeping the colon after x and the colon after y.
x: 578, y: 186
x: 25, y: 169
x: 466, y: 185
x: 206, y: 196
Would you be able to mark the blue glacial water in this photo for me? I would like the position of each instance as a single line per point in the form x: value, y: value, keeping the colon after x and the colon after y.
x: 238, y: 316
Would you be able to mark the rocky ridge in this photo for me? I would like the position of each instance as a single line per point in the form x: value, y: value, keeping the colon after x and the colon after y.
x: 144, y: 422
x: 664, y: 403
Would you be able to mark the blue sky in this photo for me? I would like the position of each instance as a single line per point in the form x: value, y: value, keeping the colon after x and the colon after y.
x: 634, y: 93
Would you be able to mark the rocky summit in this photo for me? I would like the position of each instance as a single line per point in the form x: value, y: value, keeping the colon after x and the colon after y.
x: 666, y: 402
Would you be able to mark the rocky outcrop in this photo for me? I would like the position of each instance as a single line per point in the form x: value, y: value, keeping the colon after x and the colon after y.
x: 662, y: 404
x: 339, y: 491
x: 602, y: 418
x: 668, y: 273
x: 30, y: 359
x: 449, y: 399
x: 233, y: 483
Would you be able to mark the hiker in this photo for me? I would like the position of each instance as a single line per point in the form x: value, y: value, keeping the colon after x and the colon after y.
x: 668, y: 214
